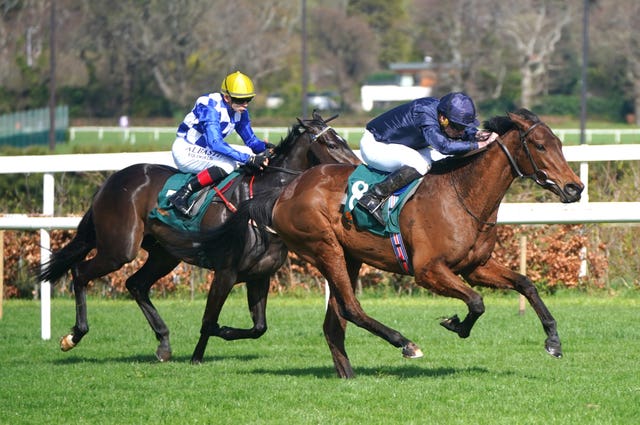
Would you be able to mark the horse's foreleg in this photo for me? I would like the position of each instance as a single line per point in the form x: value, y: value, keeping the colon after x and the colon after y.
x: 218, y: 292
x: 158, y: 264
x: 257, y: 292
x: 439, y: 279
x: 495, y: 275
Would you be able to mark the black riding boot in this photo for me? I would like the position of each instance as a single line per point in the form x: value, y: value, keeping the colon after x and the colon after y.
x: 373, y: 199
x: 180, y: 199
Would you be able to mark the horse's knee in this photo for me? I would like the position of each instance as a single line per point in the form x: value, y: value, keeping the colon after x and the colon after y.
x: 259, y: 330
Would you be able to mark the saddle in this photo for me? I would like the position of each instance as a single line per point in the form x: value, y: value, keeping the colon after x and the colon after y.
x: 359, y: 182
x: 202, y: 200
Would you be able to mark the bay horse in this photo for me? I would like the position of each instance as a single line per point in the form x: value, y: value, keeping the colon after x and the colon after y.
x: 448, y: 227
x: 117, y: 226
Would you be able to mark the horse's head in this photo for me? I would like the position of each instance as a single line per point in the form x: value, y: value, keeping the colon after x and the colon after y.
x: 312, y: 142
x: 536, y: 153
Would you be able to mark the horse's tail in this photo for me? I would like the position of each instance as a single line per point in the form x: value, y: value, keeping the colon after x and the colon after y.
x: 231, y: 239
x: 75, y: 251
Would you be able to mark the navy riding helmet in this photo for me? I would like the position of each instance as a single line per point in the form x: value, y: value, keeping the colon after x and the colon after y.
x: 459, y: 109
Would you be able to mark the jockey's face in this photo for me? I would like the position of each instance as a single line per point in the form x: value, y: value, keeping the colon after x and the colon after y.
x: 451, y: 129
x: 238, y: 105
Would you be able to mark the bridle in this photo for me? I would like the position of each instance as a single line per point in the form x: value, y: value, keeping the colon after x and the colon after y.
x: 539, y: 176
x: 312, y: 138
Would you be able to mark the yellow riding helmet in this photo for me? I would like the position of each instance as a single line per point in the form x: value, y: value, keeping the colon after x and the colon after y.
x: 238, y: 85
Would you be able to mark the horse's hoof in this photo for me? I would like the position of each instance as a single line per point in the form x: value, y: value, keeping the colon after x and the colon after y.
x: 411, y: 351
x: 163, y: 355
x: 554, y: 351
x: 66, y: 342
x: 451, y: 323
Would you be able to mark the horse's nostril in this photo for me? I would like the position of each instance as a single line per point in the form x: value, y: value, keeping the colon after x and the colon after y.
x: 573, y: 190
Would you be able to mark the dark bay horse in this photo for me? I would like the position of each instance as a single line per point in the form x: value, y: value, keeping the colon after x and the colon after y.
x: 117, y: 225
x: 448, y: 227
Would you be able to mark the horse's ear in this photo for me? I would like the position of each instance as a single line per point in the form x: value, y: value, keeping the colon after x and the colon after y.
x: 518, y: 120
x: 301, y: 128
x: 332, y: 118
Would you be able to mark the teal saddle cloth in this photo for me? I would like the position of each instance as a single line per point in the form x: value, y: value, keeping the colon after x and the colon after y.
x: 167, y: 214
x: 359, y: 182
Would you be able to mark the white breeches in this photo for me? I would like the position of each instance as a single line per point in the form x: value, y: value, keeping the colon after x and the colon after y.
x: 391, y: 156
x: 193, y: 158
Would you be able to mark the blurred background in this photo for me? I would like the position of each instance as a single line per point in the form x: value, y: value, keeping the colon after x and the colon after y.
x: 149, y: 60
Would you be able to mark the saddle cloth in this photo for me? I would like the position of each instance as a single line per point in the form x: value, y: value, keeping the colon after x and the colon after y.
x: 359, y: 182
x: 167, y: 214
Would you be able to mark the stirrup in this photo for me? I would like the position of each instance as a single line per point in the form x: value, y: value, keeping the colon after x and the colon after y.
x: 374, y: 205
x: 181, y: 204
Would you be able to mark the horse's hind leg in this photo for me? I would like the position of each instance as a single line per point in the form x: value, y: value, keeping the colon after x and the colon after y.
x: 334, y: 333
x: 439, y: 279
x: 158, y: 264
x: 495, y: 275
x: 339, y: 272
x: 82, y: 274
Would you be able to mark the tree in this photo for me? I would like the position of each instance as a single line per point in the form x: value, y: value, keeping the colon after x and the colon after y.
x: 344, y: 56
x: 618, y: 43
x: 459, y: 36
x: 535, y: 27
x: 388, y: 19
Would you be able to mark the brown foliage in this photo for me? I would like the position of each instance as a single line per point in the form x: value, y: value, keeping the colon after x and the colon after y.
x: 554, y: 256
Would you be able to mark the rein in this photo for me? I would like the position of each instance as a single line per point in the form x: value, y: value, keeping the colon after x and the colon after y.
x: 461, y: 201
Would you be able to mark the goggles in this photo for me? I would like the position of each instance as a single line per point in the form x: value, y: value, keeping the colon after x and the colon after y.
x: 241, y: 100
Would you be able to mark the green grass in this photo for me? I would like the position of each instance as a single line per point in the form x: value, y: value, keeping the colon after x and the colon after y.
x: 500, y: 375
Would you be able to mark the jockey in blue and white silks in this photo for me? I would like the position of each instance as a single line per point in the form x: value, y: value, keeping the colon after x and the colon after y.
x: 200, y: 147
x: 200, y: 137
x: 405, y: 141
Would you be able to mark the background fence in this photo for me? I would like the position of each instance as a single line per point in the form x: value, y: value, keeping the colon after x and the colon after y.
x: 31, y: 127
x: 509, y: 213
x: 133, y: 135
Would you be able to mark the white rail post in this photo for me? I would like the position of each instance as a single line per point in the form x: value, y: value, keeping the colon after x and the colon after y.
x: 523, y: 270
x: 45, y: 245
x: 584, y: 178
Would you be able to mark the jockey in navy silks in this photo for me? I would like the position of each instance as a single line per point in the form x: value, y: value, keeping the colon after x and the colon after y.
x: 405, y: 141
x: 200, y: 147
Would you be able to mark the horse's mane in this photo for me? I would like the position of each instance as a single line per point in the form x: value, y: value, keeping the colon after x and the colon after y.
x: 287, y: 142
x: 500, y: 124
x: 294, y: 131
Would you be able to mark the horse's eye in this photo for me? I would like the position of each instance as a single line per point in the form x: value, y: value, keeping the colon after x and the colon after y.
x: 539, y: 146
